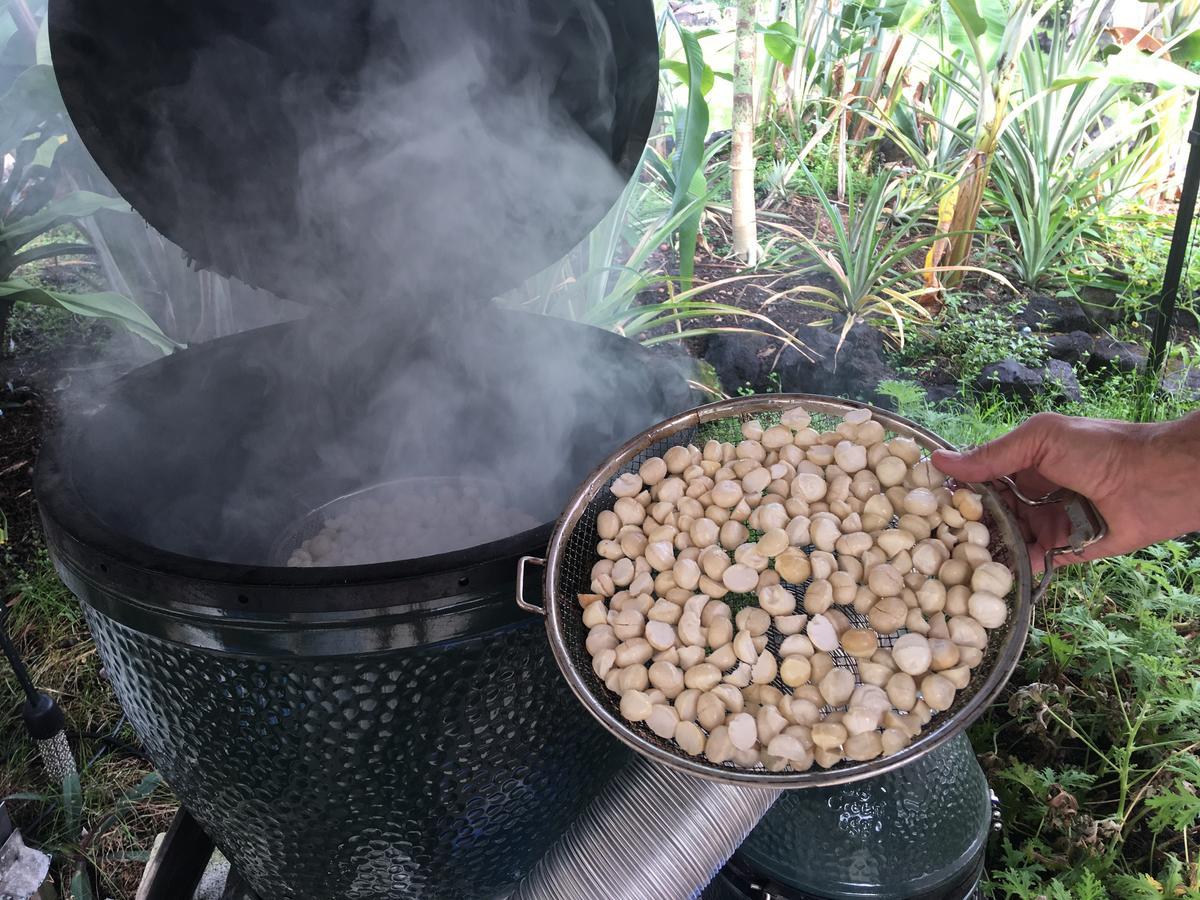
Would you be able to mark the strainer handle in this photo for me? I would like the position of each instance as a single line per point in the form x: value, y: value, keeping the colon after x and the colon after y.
x: 1087, y: 526
x: 521, y: 601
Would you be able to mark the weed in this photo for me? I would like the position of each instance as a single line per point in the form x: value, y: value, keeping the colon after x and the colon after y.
x: 967, y: 338
x: 114, y: 806
x: 774, y: 386
x: 1126, y: 254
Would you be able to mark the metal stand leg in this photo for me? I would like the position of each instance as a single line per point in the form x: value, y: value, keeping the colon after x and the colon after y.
x: 176, y: 869
x: 236, y: 888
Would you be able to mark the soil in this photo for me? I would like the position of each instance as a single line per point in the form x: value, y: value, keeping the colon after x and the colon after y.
x: 21, y: 420
x: 766, y: 293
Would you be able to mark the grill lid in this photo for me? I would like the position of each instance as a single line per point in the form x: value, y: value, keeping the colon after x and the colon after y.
x: 334, y: 150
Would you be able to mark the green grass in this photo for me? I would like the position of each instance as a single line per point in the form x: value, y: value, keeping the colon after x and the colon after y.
x: 46, y: 625
x: 1127, y: 254
x: 969, y: 335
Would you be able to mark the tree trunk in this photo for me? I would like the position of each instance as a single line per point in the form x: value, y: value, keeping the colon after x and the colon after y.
x: 741, y: 164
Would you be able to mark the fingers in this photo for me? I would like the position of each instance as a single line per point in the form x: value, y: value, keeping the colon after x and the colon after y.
x: 1021, y: 448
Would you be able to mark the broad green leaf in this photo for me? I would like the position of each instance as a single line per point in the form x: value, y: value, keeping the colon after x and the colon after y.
x: 985, y: 20
x: 689, y: 151
x: 1132, y: 66
x: 81, y: 888
x: 72, y: 793
x: 75, y: 205
x: 680, y: 70
x: 890, y: 13
x: 1188, y: 48
x: 912, y: 14
x: 32, y: 99
x: 48, y: 150
x: 143, y: 789
x: 689, y: 231
x: 969, y: 16
x: 100, y: 305
x: 780, y: 41
x: 43, y: 43
x: 853, y: 15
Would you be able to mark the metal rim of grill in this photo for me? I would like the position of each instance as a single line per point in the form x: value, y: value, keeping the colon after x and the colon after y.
x: 571, y: 554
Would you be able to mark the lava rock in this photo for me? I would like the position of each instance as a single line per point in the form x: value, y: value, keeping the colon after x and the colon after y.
x: 1062, y: 375
x: 1017, y: 381
x: 854, y: 371
x: 1102, y: 305
x: 1073, y: 347
x: 1046, y: 313
x: 1011, y: 378
x: 936, y: 393
x: 1183, y: 384
x: 1124, y: 355
x: 742, y: 359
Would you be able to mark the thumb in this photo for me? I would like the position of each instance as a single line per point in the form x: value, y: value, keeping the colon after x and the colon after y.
x: 1022, y: 448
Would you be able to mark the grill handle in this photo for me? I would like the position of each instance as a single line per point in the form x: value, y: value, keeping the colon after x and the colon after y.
x: 521, y: 601
x: 1087, y: 527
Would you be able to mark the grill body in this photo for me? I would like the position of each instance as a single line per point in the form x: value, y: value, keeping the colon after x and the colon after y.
x: 918, y: 831
x: 441, y: 771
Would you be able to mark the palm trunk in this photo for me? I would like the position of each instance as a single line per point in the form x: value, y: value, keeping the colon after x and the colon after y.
x: 741, y: 164
x: 974, y: 178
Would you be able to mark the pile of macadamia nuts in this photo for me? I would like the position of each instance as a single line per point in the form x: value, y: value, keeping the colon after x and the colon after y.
x: 863, y: 585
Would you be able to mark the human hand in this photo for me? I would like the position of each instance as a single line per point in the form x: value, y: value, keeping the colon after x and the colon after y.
x: 1143, y: 479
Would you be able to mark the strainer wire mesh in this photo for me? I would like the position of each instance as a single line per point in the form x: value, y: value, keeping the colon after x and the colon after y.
x: 573, y: 553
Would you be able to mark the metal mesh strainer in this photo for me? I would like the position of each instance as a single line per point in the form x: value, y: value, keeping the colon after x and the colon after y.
x: 572, y: 552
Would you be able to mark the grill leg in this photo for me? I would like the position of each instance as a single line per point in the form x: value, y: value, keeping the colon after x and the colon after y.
x: 237, y: 889
x: 176, y: 869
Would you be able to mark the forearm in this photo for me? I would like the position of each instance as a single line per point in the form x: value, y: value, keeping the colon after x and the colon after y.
x: 1170, y: 476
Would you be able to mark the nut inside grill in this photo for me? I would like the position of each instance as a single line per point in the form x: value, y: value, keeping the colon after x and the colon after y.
x: 411, y: 517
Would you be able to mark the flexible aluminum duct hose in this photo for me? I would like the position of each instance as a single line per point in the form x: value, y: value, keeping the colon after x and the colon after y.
x: 653, y: 832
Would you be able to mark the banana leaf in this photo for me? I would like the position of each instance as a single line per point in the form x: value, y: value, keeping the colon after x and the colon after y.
x: 101, y: 305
